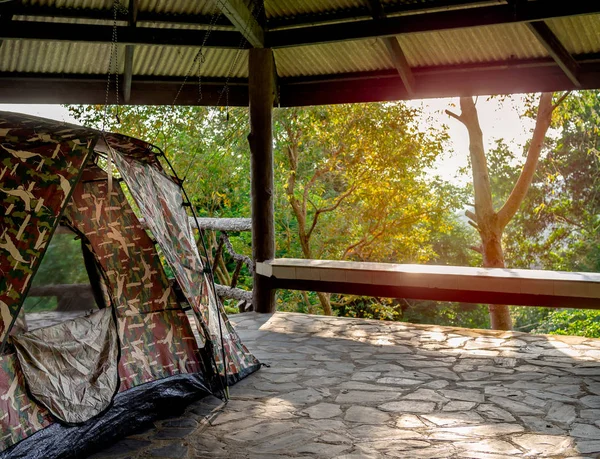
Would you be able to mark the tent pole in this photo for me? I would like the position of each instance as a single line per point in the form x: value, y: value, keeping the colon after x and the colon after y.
x: 262, y: 94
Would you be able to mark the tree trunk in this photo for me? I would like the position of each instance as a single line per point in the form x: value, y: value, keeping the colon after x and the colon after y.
x: 325, y: 303
x: 489, y: 223
x: 309, y: 306
x: 299, y: 209
x: 493, y: 257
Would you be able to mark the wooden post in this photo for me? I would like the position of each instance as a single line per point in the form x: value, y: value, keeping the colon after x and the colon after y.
x: 262, y: 93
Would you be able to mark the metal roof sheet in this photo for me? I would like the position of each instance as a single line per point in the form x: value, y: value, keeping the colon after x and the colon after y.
x: 579, y: 34
x: 172, y: 61
x: 92, y: 58
x: 290, y: 8
x: 350, y: 56
x: 471, y: 45
x: 158, y: 6
x: 55, y: 57
x: 448, y: 46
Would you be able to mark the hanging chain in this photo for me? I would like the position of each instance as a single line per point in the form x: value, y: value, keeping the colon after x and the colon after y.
x: 113, y: 64
x: 233, y: 65
x: 200, y: 57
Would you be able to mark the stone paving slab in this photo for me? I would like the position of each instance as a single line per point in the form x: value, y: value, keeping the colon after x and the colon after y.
x: 354, y: 388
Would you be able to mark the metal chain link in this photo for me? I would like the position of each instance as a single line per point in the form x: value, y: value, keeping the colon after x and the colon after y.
x: 199, y: 58
x: 241, y: 46
x: 113, y: 63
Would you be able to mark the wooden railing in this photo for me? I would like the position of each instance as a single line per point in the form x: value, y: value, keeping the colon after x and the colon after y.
x: 224, y: 247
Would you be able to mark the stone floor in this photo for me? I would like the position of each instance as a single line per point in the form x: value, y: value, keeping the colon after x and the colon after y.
x: 350, y: 388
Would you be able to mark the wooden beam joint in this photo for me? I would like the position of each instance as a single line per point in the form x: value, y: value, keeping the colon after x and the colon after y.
x: 556, y: 49
x: 244, y: 21
x: 129, y: 52
x: 394, y: 50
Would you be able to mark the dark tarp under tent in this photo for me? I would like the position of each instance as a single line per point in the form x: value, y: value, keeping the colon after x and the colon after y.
x: 67, y: 387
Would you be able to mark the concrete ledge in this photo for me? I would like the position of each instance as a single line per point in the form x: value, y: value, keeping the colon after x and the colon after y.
x: 443, y: 283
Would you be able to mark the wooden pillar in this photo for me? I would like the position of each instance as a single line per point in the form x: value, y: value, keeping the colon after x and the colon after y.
x: 262, y: 93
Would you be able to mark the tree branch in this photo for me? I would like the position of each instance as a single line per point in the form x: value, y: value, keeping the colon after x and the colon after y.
x: 331, y: 208
x: 560, y: 100
x: 477, y: 248
x: 484, y: 207
x: 542, y: 123
x: 471, y: 215
x: 474, y: 225
x: 455, y: 116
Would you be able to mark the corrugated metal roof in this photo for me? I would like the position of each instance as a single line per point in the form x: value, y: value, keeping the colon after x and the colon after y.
x: 171, y: 61
x: 291, y: 8
x: 462, y: 46
x: 91, y: 58
x: 476, y: 44
x: 350, y: 56
x: 579, y: 34
x: 158, y: 6
x: 95, y: 4
x: 55, y: 57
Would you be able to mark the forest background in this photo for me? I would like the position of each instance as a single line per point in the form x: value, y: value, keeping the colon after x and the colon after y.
x: 358, y: 182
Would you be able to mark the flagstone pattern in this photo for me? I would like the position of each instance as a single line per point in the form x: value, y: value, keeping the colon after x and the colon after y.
x: 356, y: 388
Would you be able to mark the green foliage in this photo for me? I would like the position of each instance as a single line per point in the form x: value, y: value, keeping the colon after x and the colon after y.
x: 557, y: 226
x: 62, y: 264
x: 363, y: 175
x: 579, y: 322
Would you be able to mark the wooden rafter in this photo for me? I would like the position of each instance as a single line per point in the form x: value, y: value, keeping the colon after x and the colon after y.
x: 556, y: 50
x: 244, y: 21
x: 442, y: 20
x: 89, y: 33
x: 394, y: 50
x: 502, y: 77
x: 305, y: 35
x: 129, y: 51
x: 95, y: 14
x: 6, y: 15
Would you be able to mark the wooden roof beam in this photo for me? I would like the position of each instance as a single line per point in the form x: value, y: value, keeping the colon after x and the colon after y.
x: 106, y: 14
x: 428, y: 22
x: 556, y: 50
x: 88, y: 33
x: 502, y: 77
x: 394, y: 50
x: 244, y: 21
x: 6, y: 14
x: 129, y: 52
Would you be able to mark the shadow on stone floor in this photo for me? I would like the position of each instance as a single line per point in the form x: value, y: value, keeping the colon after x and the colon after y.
x: 354, y: 388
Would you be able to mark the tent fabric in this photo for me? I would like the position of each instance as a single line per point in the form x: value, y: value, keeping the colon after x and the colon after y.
x: 71, y: 368
x: 160, y: 201
x: 157, y: 340
x: 40, y: 161
x: 49, y: 174
x: 131, y: 411
x: 19, y: 415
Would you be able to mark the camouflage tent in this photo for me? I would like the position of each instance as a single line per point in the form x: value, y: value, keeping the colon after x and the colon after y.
x: 136, y: 338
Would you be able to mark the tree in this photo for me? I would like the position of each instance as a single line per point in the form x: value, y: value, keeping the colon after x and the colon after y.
x: 559, y: 227
x: 356, y: 182
x: 488, y: 222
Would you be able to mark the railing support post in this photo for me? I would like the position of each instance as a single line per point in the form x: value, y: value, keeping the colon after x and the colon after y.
x: 262, y: 94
